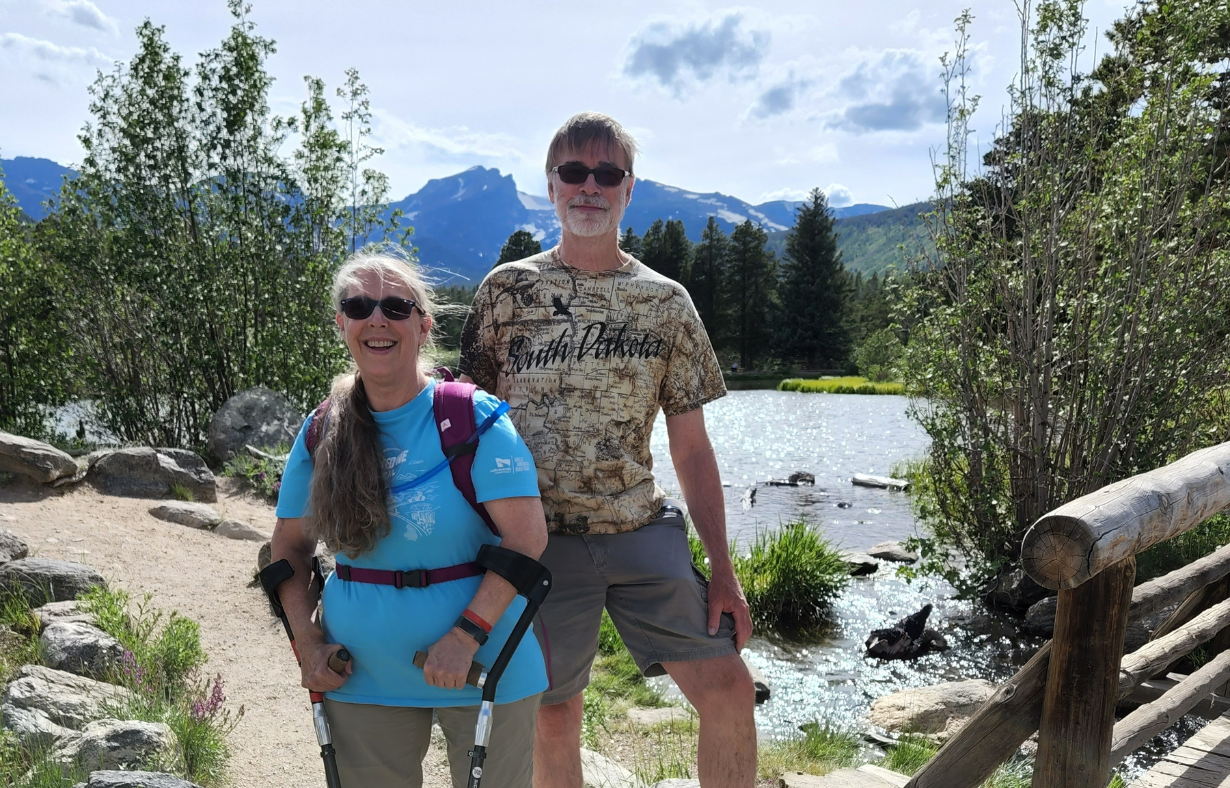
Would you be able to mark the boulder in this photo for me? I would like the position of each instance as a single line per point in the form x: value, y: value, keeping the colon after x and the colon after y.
x: 193, y: 515
x: 892, y: 551
x: 40, y: 461
x: 1012, y: 592
x: 45, y: 580
x: 928, y: 710
x: 258, y: 416
x: 42, y: 705
x: 79, y: 648
x: 860, y: 564
x: 1040, y: 618
x: 150, y: 473
x: 599, y: 771
x: 111, y: 779
x: 12, y: 548
x: 234, y: 529
x: 67, y: 611
x: 114, y: 744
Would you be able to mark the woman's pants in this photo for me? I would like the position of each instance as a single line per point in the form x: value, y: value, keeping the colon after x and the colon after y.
x: 384, y: 746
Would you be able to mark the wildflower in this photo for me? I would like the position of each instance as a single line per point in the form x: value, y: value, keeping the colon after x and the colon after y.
x: 207, y: 708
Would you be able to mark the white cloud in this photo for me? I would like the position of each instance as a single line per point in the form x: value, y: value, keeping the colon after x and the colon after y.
x: 676, y: 54
x: 47, y: 61
x: 391, y: 133
x: 839, y: 196
x: 791, y: 195
x: 82, y: 12
x: 896, y: 90
x: 820, y: 154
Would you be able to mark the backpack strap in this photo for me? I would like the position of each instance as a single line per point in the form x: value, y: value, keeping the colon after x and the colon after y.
x: 453, y: 404
x: 320, y: 422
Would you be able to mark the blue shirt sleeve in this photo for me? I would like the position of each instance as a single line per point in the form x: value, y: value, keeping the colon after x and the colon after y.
x: 503, y: 466
x: 297, y: 478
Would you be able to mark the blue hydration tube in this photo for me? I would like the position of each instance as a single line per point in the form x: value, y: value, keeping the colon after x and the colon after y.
x: 486, y: 425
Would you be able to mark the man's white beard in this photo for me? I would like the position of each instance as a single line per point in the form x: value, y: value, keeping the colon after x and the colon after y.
x: 586, y: 224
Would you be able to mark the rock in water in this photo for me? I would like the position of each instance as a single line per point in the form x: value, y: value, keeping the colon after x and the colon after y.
x: 43, y: 705
x: 40, y: 461
x: 906, y: 639
x: 258, y: 416
x: 193, y: 515
x: 892, y: 551
x: 150, y: 473
x: 45, y: 580
x: 112, y: 779
x: 860, y: 564
x: 927, y: 710
x: 79, y: 648
x: 114, y: 744
x: 12, y: 547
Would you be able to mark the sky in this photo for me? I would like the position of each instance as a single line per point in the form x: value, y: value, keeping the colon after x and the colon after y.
x: 760, y: 101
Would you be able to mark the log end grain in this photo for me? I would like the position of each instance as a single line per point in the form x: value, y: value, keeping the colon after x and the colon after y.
x: 1056, y: 552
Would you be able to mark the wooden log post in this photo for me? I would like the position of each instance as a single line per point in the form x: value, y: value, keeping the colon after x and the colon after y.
x: 1082, y: 684
x: 1080, y: 539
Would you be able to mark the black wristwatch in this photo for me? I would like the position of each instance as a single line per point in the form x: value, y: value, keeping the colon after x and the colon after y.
x: 473, y: 630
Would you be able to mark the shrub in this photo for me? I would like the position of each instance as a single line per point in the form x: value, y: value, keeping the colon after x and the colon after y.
x: 879, y: 356
x: 847, y: 385
x: 262, y: 476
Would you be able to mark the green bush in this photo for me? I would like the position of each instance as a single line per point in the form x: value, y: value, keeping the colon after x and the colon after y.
x: 262, y: 476
x: 846, y: 385
x: 879, y: 357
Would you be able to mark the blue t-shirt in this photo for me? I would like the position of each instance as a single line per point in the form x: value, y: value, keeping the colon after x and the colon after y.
x: 432, y: 527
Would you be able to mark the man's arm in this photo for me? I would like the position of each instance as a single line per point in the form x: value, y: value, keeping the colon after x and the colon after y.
x: 696, y: 467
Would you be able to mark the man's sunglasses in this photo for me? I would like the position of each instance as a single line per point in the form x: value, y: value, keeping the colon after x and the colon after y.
x: 393, y: 308
x: 606, y: 175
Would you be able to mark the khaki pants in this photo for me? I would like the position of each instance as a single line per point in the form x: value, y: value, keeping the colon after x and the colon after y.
x: 384, y: 746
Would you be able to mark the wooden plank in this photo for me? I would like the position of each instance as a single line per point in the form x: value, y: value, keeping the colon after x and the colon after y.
x: 1082, y: 682
x: 1202, y: 762
x: 1073, y: 543
x: 1148, y: 691
x: 1153, y: 657
x: 1153, y: 718
x: 888, y: 776
x: 1163, y: 591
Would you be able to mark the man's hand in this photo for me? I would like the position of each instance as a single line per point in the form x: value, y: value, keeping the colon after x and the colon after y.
x: 314, y: 666
x: 448, y: 660
x: 725, y: 596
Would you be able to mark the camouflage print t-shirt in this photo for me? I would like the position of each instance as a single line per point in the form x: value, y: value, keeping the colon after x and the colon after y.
x: 586, y: 359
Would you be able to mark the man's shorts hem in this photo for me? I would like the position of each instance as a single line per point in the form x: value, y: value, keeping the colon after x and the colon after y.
x: 692, y: 655
x: 552, y: 698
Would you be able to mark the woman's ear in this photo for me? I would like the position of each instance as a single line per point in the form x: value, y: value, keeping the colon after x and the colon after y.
x: 425, y: 329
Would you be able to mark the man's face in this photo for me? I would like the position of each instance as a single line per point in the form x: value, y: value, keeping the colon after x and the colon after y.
x: 587, y: 209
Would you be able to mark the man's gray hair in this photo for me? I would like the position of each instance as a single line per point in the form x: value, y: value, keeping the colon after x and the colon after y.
x: 589, y: 128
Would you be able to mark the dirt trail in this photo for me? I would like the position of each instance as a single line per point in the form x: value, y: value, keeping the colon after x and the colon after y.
x: 207, y: 578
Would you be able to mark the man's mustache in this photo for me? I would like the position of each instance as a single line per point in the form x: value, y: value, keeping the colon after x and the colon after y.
x: 592, y: 201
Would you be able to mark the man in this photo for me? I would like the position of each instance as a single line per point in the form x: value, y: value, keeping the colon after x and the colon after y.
x: 587, y: 344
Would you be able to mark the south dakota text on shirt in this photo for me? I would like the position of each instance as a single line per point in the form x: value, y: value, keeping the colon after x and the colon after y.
x: 595, y: 341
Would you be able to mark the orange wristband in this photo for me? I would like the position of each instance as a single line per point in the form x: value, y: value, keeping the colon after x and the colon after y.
x: 477, y: 619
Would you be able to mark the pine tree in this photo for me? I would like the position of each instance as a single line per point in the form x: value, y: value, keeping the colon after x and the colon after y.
x: 666, y: 249
x: 631, y: 243
x: 749, y: 288
x: 519, y: 246
x: 704, y: 283
x: 811, y: 321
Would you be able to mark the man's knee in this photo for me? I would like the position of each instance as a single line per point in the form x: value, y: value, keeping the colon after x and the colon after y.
x: 722, y: 684
x: 561, y: 719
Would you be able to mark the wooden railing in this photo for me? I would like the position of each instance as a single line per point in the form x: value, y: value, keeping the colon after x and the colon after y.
x: 1086, y: 550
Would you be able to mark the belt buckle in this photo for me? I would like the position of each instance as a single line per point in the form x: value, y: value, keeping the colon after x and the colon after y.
x: 412, y: 579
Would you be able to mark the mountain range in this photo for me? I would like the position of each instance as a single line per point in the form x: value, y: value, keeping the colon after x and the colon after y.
x: 460, y: 222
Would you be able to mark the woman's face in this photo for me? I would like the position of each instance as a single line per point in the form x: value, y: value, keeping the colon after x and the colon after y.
x: 383, y: 349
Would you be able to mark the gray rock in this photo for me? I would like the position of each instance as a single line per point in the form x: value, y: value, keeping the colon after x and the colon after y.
x: 45, y: 580
x: 234, y: 529
x: 258, y: 416
x: 892, y: 551
x: 114, y: 744
x: 150, y: 473
x: 928, y: 710
x: 43, y: 705
x: 67, y: 611
x: 1013, y: 592
x: 12, y: 548
x: 860, y: 563
x: 1040, y: 618
x: 111, y: 779
x: 40, y: 461
x: 80, y: 648
x: 599, y: 771
x: 193, y: 515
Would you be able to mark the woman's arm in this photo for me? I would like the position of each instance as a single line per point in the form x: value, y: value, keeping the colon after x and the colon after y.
x: 299, y: 597
x: 523, y: 528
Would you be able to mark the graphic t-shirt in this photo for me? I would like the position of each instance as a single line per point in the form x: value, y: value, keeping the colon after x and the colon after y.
x: 432, y: 527
x: 586, y: 359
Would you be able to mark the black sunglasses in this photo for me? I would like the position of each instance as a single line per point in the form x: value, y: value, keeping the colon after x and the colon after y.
x: 393, y: 308
x: 605, y: 175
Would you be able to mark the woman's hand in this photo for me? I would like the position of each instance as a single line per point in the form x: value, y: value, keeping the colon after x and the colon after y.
x: 314, y: 666
x: 448, y: 660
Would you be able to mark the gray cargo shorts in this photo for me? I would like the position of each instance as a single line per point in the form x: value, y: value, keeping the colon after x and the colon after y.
x: 645, y: 579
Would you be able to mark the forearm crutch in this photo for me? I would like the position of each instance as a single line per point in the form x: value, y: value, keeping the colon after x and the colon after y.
x: 271, y: 577
x: 532, y: 581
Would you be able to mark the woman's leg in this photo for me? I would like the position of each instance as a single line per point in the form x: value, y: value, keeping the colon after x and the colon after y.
x: 510, y: 754
x: 379, y: 746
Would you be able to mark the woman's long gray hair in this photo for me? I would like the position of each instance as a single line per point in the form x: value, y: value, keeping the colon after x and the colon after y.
x: 349, y: 495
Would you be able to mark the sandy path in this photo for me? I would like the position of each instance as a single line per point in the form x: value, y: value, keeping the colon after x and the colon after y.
x: 205, y: 577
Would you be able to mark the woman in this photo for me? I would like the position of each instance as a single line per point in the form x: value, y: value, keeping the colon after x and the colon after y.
x: 380, y: 433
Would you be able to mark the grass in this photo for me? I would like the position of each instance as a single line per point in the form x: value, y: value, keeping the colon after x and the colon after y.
x: 22, y: 647
x: 181, y: 493
x: 821, y: 749
x: 846, y: 385
x: 162, y: 666
x: 910, y: 755
x: 23, y: 767
x: 262, y: 476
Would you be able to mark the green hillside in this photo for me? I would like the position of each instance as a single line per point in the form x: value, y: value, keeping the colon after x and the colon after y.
x: 869, y: 244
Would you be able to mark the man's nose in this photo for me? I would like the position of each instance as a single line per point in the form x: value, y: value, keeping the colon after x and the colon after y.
x: 591, y: 184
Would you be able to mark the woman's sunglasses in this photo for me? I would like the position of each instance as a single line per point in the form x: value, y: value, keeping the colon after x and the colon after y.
x: 606, y: 175
x: 361, y: 307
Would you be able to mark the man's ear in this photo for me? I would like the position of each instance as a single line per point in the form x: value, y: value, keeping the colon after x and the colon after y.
x: 628, y: 196
x: 338, y: 319
x: 551, y: 189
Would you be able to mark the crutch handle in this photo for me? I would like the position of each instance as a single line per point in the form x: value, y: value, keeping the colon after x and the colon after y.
x: 339, y: 660
x: 475, y: 678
